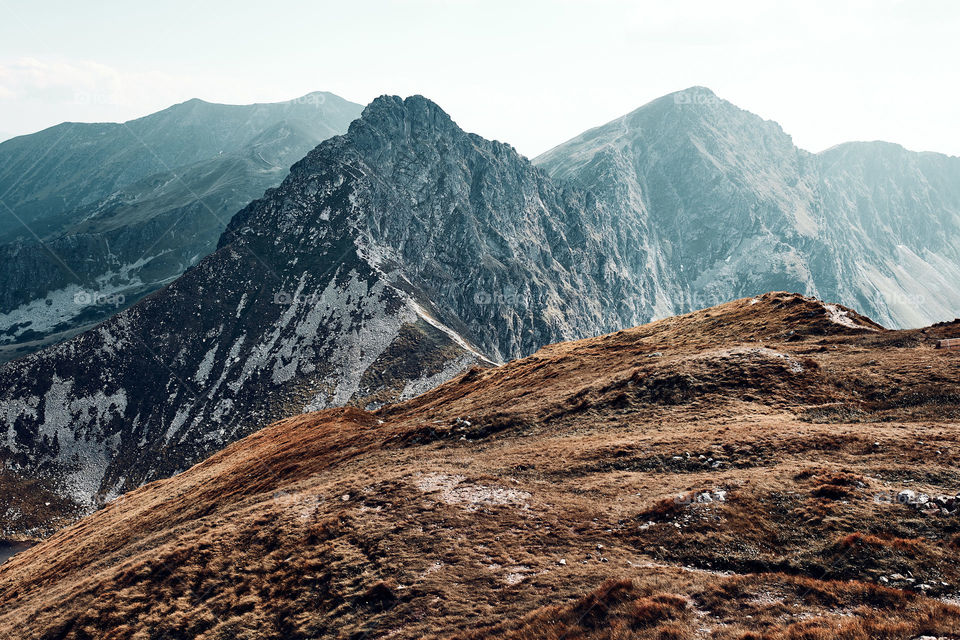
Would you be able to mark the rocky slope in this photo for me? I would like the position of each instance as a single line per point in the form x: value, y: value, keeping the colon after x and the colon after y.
x: 389, y: 260
x: 124, y: 208
x: 729, y: 206
x: 771, y: 468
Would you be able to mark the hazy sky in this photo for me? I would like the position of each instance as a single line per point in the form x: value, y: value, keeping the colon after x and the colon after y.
x: 527, y: 72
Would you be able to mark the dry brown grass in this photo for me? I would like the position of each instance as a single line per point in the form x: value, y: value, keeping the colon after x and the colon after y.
x: 554, y: 513
x: 616, y: 609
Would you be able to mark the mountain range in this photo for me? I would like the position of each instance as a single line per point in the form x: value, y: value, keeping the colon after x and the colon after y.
x: 406, y: 251
x: 96, y: 216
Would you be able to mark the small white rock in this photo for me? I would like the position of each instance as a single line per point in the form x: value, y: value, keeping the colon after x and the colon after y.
x: 907, y: 496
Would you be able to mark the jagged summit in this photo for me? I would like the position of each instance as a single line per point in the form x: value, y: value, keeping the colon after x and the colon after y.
x: 416, y: 116
x: 397, y: 110
x: 420, y: 123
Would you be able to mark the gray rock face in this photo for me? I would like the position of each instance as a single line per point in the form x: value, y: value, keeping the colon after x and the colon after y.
x: 389, y: 260
x: 508, y: 258
x: 130, y: 206
x: 729, y: 207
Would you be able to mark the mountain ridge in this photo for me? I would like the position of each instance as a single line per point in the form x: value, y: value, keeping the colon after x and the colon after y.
x: 711, y: 182
x: 395, y: 256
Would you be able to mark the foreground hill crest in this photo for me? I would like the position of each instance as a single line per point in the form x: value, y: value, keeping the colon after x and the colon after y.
x: 726, y: 472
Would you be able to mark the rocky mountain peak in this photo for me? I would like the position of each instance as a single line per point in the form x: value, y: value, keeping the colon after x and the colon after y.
x: 406, y: 250
x: 387, y: 261
x: 415, y: 108
x: 392, y: 120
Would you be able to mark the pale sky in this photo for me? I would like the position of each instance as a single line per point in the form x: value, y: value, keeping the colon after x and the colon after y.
x: 531, y: 73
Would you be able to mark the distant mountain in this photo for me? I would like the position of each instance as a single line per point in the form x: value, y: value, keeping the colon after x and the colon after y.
x: 729, y: 207
x: 45, y: 174
x: 389, y: 260
x: 124, y: 208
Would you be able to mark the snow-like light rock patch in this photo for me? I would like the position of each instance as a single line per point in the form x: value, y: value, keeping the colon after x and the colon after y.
x: 67, y: 416
x: 359, y: 346
x: 13, y: 410
x: 455, y: 490
x: 178, y: 421
x: 414, y: 388
x: 203, y: 371
x: 841, y: 317
x: 63, y: 305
